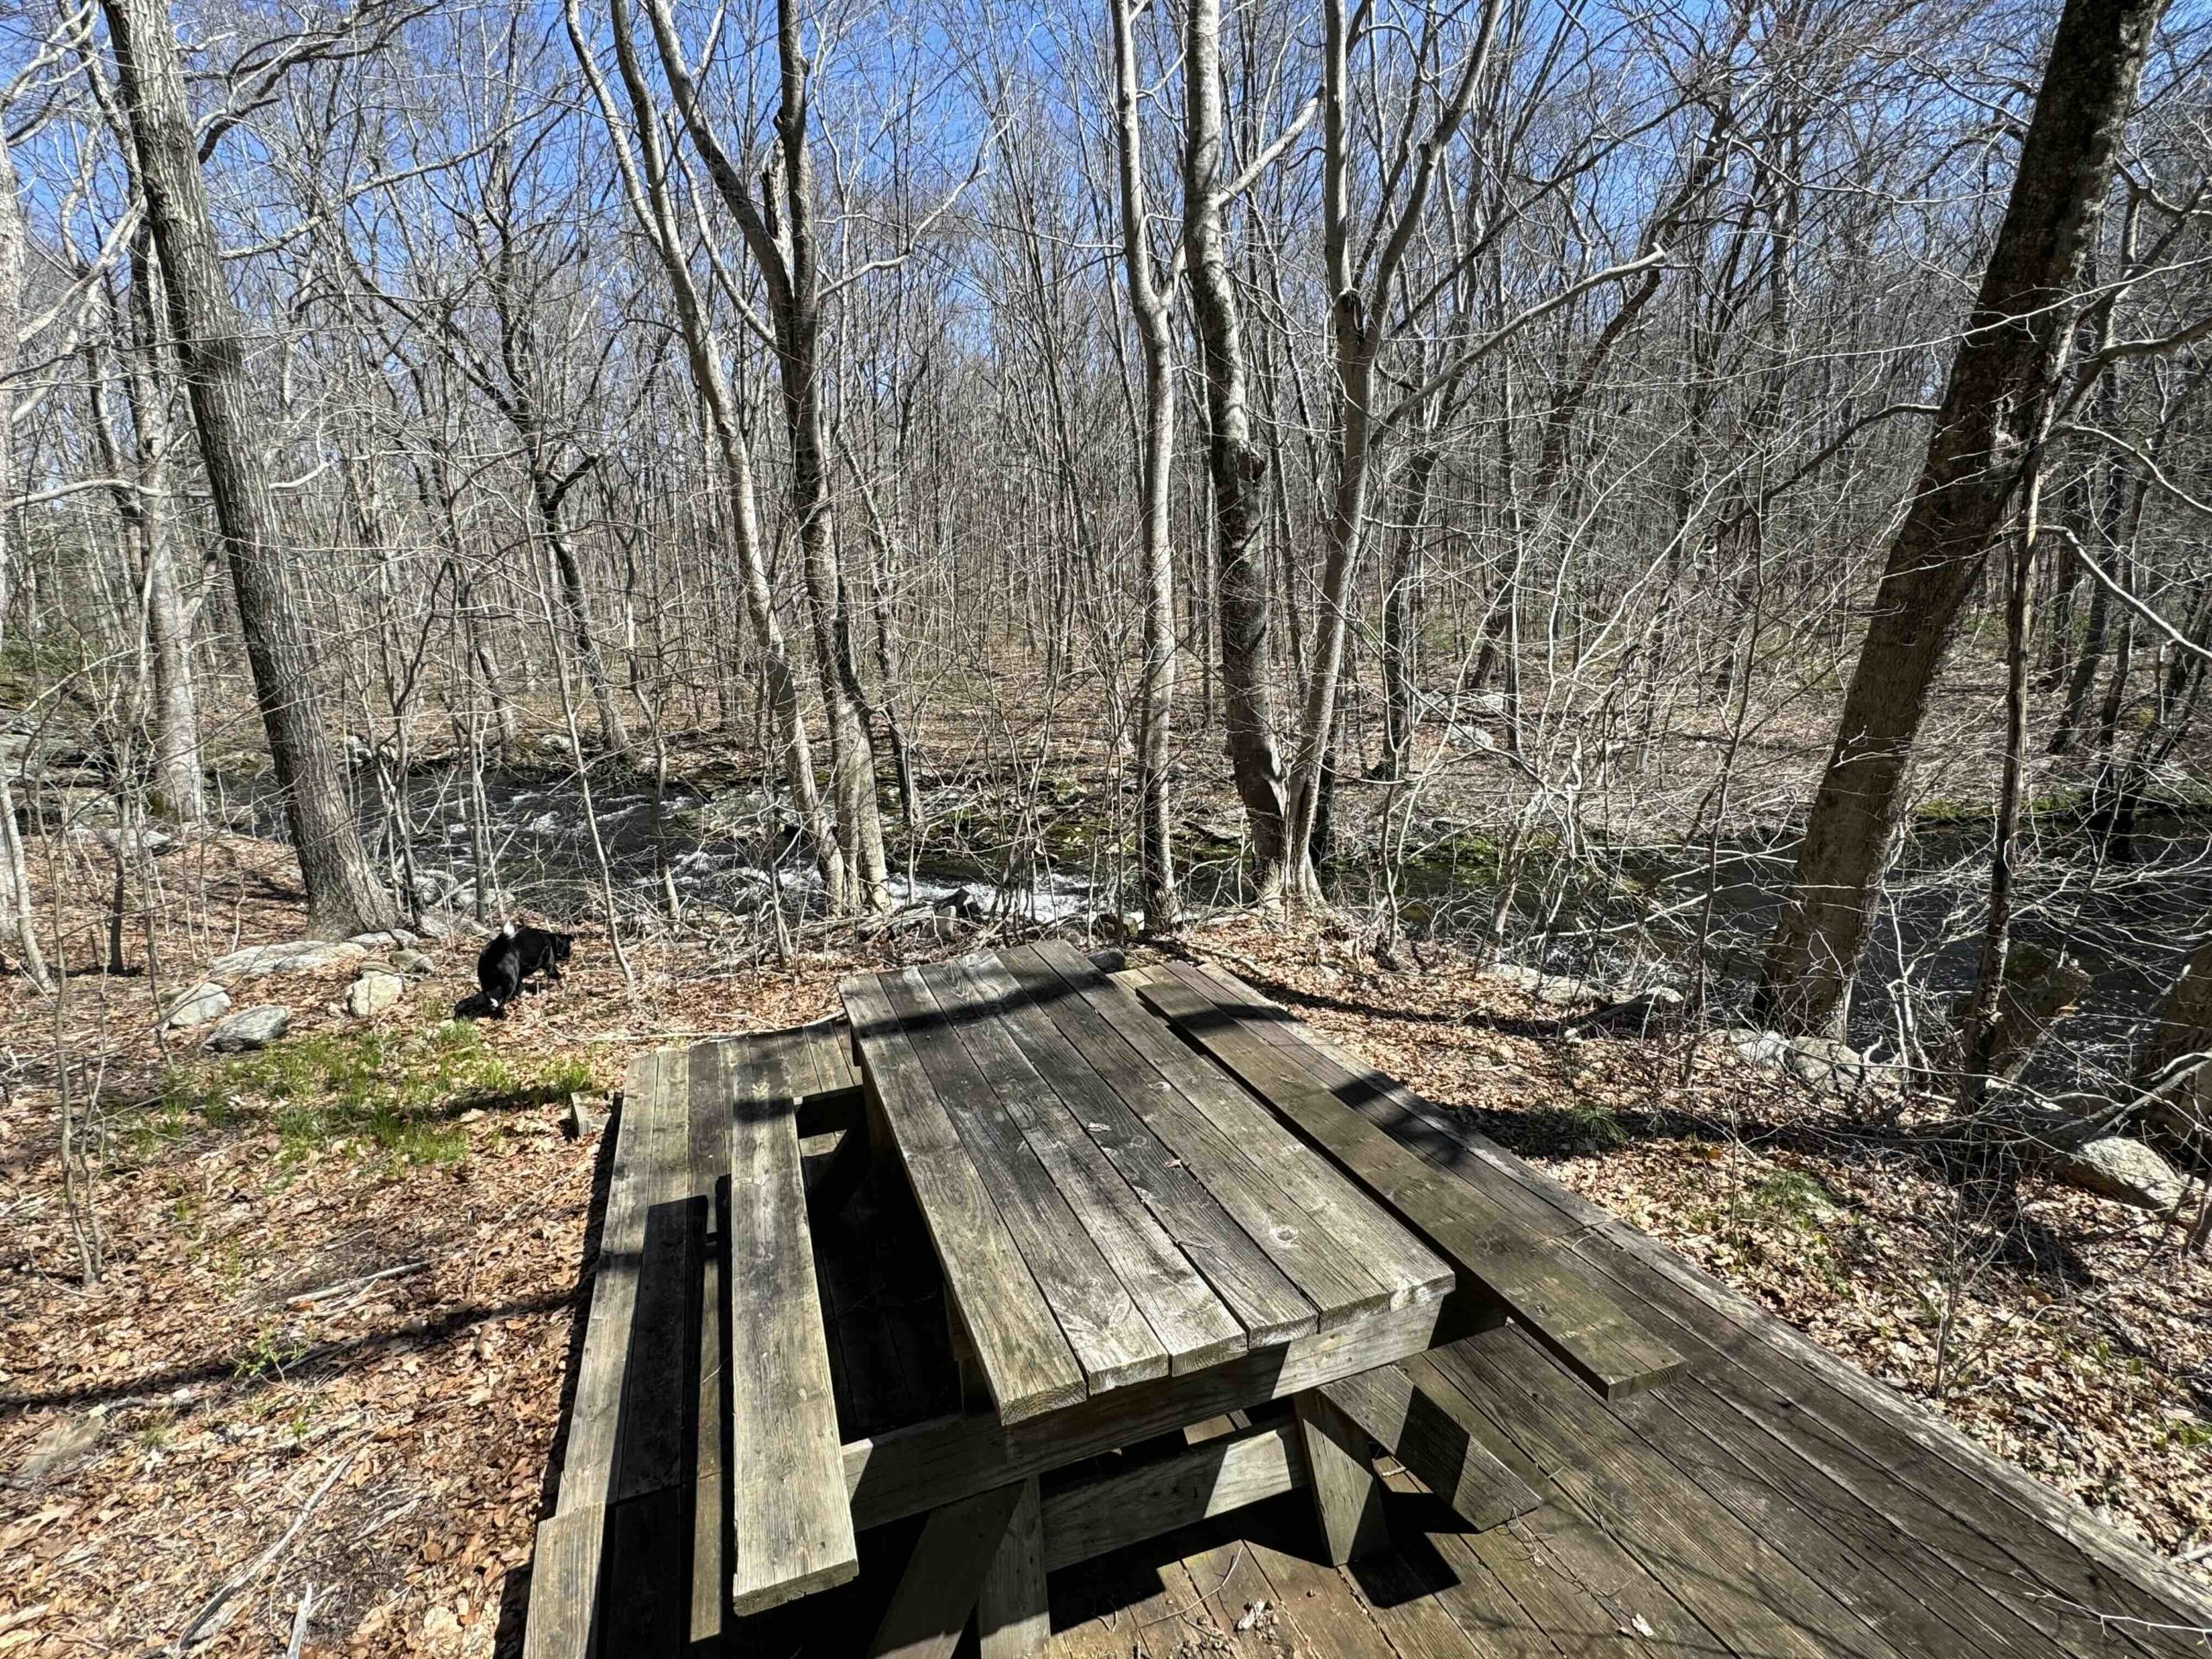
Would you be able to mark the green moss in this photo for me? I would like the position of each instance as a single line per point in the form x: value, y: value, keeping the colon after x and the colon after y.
x: 401, y: 1094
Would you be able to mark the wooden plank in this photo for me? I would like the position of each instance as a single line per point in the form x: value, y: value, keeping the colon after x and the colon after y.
x: 1090, y: 1519
x: 1985, y: 1519
x: 1347, y: 1497
x: 655, y: 1430
x: 707, y: 1171
x: 919, y: 1467
x: 1427, y: 1425
x: 1556, y: 1297
x: 944, y: 1575
x: 1743, y: 1588
x: 1025, y: 1358
x: 564, y: 1587
x: 1012, y: 1614
x: 1097, y: 1075
x: 588, y: 1457
x: 791, y: 1526
x: 1099, y: 1319
x: 1191, y: 1323
x: 1867, y: 1560
x: 645, y: 1593
x: 1338, y: 1244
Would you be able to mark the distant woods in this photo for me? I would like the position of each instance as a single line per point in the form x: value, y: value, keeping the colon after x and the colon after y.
x: 1413, y: 459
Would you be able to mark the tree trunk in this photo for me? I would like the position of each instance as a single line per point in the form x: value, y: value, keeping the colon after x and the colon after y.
x: 178, y: 773
x: 16, y: 925
x: 343, y: 894
x: 1991, y: 411
x: 575, y: 605
x: 1235, y: 464
x: 2183, y: 1118
x: 653, y: 207
x: 1155, y: 557
x: 785, y: 253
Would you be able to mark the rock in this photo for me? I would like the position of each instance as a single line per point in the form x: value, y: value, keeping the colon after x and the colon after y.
x: 429, y: 887
x: 55, y: 1450
x: 1759, y: 1047
x: 1825, y: 1063
x: 375, y: 990
x: 1660, y: 1005
x: 250, y: 1028
x: 586, y: 1116
x: 291, y: 956
x: 394, y: 938
x: 971, y: 902
x: 2119, y: 1167
x: 198, y: 1006
x: 413, y: 964
x: 1108, y: 962
x: 1557, y: 989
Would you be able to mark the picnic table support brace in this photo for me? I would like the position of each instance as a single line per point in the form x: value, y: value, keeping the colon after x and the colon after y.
x: 1347, y: 1497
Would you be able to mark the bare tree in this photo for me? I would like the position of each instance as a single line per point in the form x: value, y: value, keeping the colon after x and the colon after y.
x: 343, y: 893
x: 1993, y: 417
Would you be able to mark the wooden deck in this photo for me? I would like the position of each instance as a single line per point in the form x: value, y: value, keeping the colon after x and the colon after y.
x: 1764, y: 1499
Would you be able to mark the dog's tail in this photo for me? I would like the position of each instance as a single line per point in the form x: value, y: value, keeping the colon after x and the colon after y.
x: 507, y: 930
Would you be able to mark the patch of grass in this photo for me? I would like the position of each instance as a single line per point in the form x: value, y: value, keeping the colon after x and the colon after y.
x: 272, y: 1348
x: 1586, y: 1126
x: 1796, y: 1198
x: 400, y: 1093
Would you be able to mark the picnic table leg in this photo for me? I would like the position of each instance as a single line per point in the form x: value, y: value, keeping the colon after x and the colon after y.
x: 1012, y: 1616
x: 1347, y: 1497
x: 959, y: 1546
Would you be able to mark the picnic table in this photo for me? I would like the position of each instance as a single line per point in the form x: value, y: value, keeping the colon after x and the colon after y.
x: 1155, y: 1220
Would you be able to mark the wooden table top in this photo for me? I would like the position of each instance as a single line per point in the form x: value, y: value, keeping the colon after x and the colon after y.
x: 1108, y: 1205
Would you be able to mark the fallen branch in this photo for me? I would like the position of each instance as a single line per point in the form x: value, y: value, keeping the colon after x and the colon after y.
x: 344, y: 1285
x: 253, y: 1569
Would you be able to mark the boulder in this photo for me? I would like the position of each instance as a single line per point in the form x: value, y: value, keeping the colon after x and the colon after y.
x: 2120, y: 1166
x: 393, y: 939
x: 250, y: 1029
x: 1823, y: 1063
x: 291, y: 956
x: 375, y: 990
x: 1557, y: 989
x: 198, y: 1006
x: 413, y: 964
x: 1759, y: 1047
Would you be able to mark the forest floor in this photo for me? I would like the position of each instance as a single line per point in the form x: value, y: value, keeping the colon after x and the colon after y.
x: 237, y: 1405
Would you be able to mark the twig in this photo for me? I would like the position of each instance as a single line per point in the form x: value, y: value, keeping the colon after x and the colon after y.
x: 254, y: 1568
x: 299, y: 1622
x: 344, y: 1285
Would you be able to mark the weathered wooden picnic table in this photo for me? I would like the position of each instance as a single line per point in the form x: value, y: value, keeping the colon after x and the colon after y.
x: 1152, y: 1214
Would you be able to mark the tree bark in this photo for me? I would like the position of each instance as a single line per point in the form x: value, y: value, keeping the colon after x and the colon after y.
x: 343, y: 894
x: 785, y: 253
x: 1235, y: 466
x: 653, y: 207
x: 17, y: 927
x: 1991, y: 411
x: 1155, y: 556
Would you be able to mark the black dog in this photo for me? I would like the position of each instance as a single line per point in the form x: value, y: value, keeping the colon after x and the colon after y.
x: 511, y: 956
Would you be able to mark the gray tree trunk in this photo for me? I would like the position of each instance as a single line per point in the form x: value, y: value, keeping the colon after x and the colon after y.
x: 1155, y: 556
x: 1991, y: 411
x: 16, y: 925
x: 1235, y: 464
x: 343, y: 893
